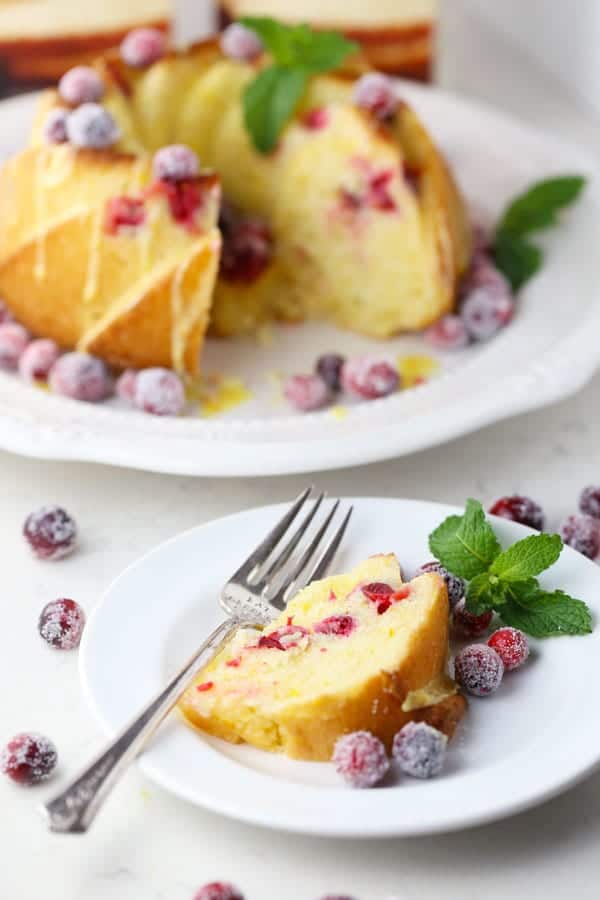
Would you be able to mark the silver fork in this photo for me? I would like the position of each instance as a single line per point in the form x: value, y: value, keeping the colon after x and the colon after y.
x: 253, y: 596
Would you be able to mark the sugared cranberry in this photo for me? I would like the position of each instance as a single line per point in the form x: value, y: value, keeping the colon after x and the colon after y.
x: 369, y: 378
x: 81, y: 377
x: 316, y: 119
x: 142, y: 47
x: 456, y: 586
x: 37, y: 359
x: 176, y: 162
x: 28, y: 758
x: 284, y: 638
x: 420, y: 750
x: 5, y: 314
x: 341, y: 626
x: 519, y: 509
x: 13, y: 341
x: 329, y: 368
x: 360, y: 759
x: 484, y: 274
x: 589, y: 501
x: 82, y: 84
x: 247, y: 250
x: 467, y: 626
x: 448, y: 333
x: 55, y: 126
x: 239, y: 42
x: 90, y: 125
x: 512, y: 647
x: 478, y: 669
x: 51, y: 532
x: 61, y: 624
x: 125, y: 386
x: 484, y: 314
x: 582, y: 533
x: 159, y: 392
x: 377, y: 94
x: 124, y: 214
x: 219, y: 890
x: 306, y: 392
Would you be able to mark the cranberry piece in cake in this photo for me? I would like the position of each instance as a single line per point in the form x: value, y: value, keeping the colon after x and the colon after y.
x: 306, y: 392
x: 467, y: 626
x: 90, y: 125
x: 13, y: 341
x: 247, y: 250
x: 37, y: 359
x: 61, y: 624
x: 339, y: 626
x: 81, y: 376
x: 142, y: 47
x: 420, y: 750
x: 124, y: 214
x: 456, y: 586
x: 55, y: 126
x: 241, y: 43
x: 159, y: 392
x: 316, y: 119
x: 360, y: 759
x: 329, y: 368
x: 377, y: 94
x: 284, y: 638
x: 28, y: 758
x: 478, y: 669
x: 177, y: 162
x: 82, y: 84
x: 51, y: 532
x: 582, y: 533
x: 219, y: 890
x: 448, y: 333
x: 512, y: 647
x: 369, y: 378
x: 519, y: 509
x: 589, y: 502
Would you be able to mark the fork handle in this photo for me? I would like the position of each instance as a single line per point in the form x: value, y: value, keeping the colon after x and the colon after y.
x: 74, y: 809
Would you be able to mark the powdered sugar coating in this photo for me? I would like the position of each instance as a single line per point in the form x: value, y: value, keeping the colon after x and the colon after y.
x: 484, y: 274
x: 37, y: 359
x: 90, y: 125
x: 177, y: 162
x: 28, y: 758
x: 81, y: 376
x: 159, y: 392
x: 13, y: 341
x: 125, y: 386
x: 420, y: 750
x: 241, y: 43
x: 484, y: 313
x: 369, y: 378
x: 377, y: 94
x: 55, y: 126
x: 478, y: 669
x: 219, y: 890
x: 360, y: 759
x: 81, y: 84
x: 582, y: 533
x: 455, y: 586
x: 589, y: 501
x: 465, y: 625
x: 51, y: 532
x: 142, y: 47
x: 512, y: 646
x: 306, y: 392
x: 61, y: 624
x: 448, y: 333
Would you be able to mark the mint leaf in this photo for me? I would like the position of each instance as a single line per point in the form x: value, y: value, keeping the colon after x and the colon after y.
x: 298, y: 46
x: 484, y: 593
x: 324, y: 50
x: 528, y: 557
x: 269, y: 102
x: 517, y: 259
x: 276, y: 37
x: 543, y: 614
x: 539, y: 206
x: 466, y: 545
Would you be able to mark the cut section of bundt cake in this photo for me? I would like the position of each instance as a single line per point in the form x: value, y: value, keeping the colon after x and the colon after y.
x: 351, y: 652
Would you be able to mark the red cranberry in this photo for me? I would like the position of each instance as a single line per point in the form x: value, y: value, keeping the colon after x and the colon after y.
x: 379, y: 593
x: 484, y: 313
x: 124, y: 213
x: 306, y: 392
x: 37, y: 359
x: 28, y: 758
x: 369, y: 379
x: 377, y: 94
x: 218, y: 890
x: 512, y: 647
x: 90, y: 125
x: 329, y: 368
x: 82, y: 84
x: 283, y: 638
x: 51, y: 532
x: 241, y: 43
x: 159, y: 392
x: 448, y: 333
x: 420, y: 750
x: 589, y: 501
x: 176, y: 162
x: 316, y: 119
x: 465, y: 625
x: 582, y: 533
x: 81, y: 377
x: 13, y: 341
x: 341, y: 626
x: 519, y: 509
x: 247, y: 251
x: 456, y: 586
x: 61, y: 624
x: 479, y: 670
x: 360, y: 759
x: 142, y: 47
x: 483, y: 274
x: 378, y: 194
x: 125, y: 386
x: 55, y: 126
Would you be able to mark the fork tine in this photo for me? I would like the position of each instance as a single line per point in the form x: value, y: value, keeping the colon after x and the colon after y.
x: 322, y: 567
x: 278, y: 599
x: 261, y: 553
x: 281, y: 559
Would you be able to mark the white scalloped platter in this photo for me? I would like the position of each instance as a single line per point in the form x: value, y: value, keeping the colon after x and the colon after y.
x: 548, y: 352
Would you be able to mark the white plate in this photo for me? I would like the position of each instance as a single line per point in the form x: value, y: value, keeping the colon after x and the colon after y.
x: 550, y: 350
x: 537, y: 736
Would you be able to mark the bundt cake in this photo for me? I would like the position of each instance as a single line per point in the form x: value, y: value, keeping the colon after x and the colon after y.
x: 352, y: 652
x: 353, y: 217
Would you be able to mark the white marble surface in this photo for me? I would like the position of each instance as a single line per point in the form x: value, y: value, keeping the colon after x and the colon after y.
x: 149, y: 846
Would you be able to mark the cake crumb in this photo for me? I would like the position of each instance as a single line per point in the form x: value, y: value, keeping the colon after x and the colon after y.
x: 339, y: 412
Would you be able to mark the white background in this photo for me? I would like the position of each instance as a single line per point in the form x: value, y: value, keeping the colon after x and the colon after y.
x: 148, y: 846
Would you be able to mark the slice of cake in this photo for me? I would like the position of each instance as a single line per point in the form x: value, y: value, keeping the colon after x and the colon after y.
x: 351, y: 652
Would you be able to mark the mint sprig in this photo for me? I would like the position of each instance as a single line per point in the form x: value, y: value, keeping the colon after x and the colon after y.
x: 298, y: 52
x: 534, y: 210
x: 505, y: 581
